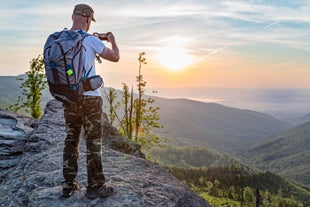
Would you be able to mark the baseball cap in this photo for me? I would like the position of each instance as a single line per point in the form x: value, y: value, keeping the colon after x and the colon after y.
x: 84, y: 10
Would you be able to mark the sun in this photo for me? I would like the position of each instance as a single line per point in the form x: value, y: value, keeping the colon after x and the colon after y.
x: 175, y: 58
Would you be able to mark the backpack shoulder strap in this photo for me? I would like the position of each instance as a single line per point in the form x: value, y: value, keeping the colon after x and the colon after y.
x: 83, y: 33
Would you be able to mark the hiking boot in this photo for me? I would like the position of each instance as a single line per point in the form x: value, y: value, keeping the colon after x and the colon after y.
x: 69, y: 190
x: 102, y: 191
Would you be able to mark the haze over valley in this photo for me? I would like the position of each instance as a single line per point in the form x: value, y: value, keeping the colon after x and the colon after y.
x: 285, y: 104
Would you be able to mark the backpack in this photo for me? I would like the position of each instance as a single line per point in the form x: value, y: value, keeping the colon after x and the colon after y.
x: 64, y: 68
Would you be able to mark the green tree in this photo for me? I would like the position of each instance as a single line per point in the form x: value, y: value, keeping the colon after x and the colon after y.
x: 140, y: 116
x: 248, y: 195
x: 113, y: 104
x: 139, y: 104
x: 209, y: 185
x: 147, y: 117
x: 32, y: 88
x: 128, y: 111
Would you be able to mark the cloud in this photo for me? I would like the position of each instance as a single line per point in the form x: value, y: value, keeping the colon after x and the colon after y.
x: 214, y: 26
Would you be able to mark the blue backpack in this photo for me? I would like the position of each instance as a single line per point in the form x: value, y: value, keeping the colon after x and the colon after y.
x: 64, y: 68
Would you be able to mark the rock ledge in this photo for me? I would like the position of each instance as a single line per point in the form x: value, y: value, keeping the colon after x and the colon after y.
x: 36, y: 178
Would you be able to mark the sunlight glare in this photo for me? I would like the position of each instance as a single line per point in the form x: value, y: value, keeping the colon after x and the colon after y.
x: 175, y: 58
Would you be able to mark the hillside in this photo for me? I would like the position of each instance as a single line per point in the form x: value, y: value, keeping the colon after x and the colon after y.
x: 303, y: 119
x: 222, y: 128
x: 10, y: 90
x: 190, y: 156
x: 220, y: 178
x: 217, y: 127
x: 230, y: 186
x: 286, y: 153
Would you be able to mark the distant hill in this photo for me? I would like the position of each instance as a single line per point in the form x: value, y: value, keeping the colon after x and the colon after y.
x: 286, y: 153
x: 222, y: 128
x: 225, y: 129
x: 302, y: 120
x: 10, y: 90
x: 190, y: 157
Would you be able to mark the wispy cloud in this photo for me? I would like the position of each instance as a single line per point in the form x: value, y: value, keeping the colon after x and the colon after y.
x: 210, y: 27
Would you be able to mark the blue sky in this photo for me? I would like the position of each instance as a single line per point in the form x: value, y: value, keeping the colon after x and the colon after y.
x: 229, y: 43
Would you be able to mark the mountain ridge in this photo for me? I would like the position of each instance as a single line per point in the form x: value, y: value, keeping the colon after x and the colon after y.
x: 286, y: 153
x: 226, y: 129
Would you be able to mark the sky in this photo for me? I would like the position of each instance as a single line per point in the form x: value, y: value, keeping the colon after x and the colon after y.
x: 197, y: 43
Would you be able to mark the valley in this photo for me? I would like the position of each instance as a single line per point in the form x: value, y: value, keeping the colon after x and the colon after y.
x: 211, y: 135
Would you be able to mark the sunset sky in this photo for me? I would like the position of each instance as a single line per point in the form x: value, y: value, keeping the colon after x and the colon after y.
x: 198, y: 43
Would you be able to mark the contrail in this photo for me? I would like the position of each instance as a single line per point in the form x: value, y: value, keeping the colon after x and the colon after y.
x: 270, y: 25
x: 212, y: 53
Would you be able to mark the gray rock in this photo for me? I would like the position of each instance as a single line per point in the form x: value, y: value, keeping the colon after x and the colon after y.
x: 36, y: 179
x: 14, y: 131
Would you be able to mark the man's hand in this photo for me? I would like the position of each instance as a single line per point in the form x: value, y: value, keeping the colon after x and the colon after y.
x: 113, y: 53
x: 110, y: 37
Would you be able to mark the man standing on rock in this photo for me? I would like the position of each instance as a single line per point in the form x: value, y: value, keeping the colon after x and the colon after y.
x: 87, y: 113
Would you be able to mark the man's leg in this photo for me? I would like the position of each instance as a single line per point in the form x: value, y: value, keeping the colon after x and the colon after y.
x: 92, y: 120
x: 93, y: 133
x: 71, y: 148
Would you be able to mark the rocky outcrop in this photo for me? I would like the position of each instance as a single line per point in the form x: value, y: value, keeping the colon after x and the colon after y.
x: 113, y: 139
x: 14, y: 131
x: 35, y: 180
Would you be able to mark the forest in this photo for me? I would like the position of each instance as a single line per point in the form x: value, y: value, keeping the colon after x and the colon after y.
x: 224, y: 180
x: 240, y: 186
